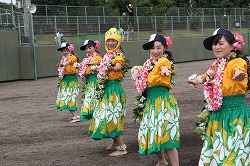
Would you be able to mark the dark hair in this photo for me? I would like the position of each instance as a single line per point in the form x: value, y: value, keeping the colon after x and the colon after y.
x: 170, y: 55
x: 239, y: 54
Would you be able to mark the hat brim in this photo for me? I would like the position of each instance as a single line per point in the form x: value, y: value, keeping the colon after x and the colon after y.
x: 61, y: 48
x: 82, y: 48
x: 208, y: 42
x: 146, y: 46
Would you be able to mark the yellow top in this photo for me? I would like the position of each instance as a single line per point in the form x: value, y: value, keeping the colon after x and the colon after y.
x: 155, y: 77
x: 93, y: 59
x: 69, y: 69
x: 116, y: 74
x: 232, y: 87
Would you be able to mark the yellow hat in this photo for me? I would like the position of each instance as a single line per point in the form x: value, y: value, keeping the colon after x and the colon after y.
x: 113, y: 33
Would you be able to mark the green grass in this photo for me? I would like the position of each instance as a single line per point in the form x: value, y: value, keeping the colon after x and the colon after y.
x: 143, y: 35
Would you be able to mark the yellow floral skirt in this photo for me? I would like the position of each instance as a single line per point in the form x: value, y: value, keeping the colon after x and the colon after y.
x: 89, y: 102
x: 227, y: 135
x: 159, y: 128
x: 68, y: 93
x: 109, y: 117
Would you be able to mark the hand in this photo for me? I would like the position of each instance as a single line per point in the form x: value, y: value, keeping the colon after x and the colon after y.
x: 193, y: 82
x: 165, y: 71
x: 76, y: 65
x: 239, y: 75
x: 134, y: 74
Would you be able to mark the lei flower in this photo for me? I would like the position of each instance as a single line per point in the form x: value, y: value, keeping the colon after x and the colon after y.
x: 61, y: 70
x: 141, y: 84
x: 84, y: 65
x: 105, y: 64
x: 212, y: 92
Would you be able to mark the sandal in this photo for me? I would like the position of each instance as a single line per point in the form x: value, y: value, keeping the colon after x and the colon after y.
x: 120, y: 150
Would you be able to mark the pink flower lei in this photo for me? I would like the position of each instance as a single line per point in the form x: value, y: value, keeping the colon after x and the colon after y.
x: 61, y: 70
x: 212, y: 91
x: 141, y: 80
x: 106, y: 63
x: 83, y: 66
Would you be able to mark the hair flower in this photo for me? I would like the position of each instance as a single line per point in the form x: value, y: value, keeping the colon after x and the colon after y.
x: 97, y: 44
x: 168, y: 41
x: 239, y: 41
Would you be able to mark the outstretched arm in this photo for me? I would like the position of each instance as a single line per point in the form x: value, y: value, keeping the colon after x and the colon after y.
x: 195, y: 79
x: 239, y: 75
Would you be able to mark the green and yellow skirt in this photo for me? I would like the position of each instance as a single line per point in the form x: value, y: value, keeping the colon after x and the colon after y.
x: 68, y: 93
x: 89, y: 102
x: 109, y: 117
x: 159, y: 128
x: 227, y: 139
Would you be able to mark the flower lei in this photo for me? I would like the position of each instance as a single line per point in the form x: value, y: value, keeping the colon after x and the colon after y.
x: 141, y: 85
x: 83, y: 66
x: 61, y: 70
x: 105, y: 64
x: 212, y: 92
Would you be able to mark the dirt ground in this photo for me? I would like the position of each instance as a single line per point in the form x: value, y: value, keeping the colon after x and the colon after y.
x: 33, y: 132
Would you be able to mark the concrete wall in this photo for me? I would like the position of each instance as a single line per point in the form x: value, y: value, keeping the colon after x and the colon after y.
x: 17, y: 62
x: 9, y: 56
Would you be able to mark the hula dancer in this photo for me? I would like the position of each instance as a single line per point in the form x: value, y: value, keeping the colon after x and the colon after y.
x: 156, y: 107
x: 225, y: 119
x: 109, y: 118
x: 88, y: 70
x: 68, y: 82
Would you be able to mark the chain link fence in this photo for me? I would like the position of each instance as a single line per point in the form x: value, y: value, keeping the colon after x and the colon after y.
x: 76, y: 29
x: 78, y: 23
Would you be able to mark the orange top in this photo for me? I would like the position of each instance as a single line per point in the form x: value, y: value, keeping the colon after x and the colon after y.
x: 116, y: 74
x: 69, y: 69
x: 155, y: 77
x: 93, y: 59
x: 232, y: 87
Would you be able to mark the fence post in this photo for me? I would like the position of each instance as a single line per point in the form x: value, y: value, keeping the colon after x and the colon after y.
x: 86, y: 15
x: 138, y: 28
x: 77, y: 22
x: 104, y: 15
x: 46, y: 12
x: 55, y: 25
x: 188, y: 27
x: 155, y: 25
x: 67, y: 15
x: 32, y: 38
x: 19, y: 31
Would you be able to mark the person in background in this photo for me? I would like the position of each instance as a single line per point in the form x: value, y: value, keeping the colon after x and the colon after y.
x: 88, y: 70
x: 59, y: 37
x: 68, y: 82
x: 109, y: 117
x: 130, y: 12
x: 156, y: 107
x: 225, y: 118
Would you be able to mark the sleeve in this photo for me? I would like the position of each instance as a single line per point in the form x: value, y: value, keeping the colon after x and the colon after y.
x: 163, y: 62
x: 96, y: 58
x: 73, y: 58
x: 237, y: 64
x: 118, y: 59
